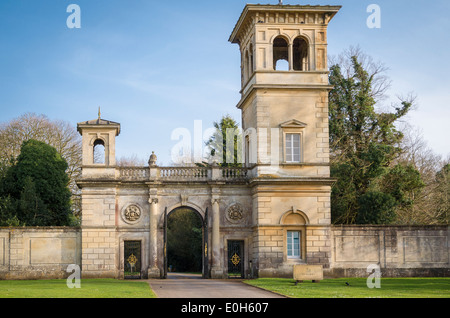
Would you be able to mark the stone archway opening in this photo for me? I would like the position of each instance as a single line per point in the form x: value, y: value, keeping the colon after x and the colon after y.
x: 184, y: 241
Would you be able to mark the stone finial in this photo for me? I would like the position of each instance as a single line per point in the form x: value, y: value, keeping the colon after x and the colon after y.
x: 152, y: 160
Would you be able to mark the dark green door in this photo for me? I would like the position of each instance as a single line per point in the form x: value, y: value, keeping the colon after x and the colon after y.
x: 132, y: 259
x: 235, y: 259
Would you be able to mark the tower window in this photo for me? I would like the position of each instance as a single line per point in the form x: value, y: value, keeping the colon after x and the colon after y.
x: 292, y: 148
x: 280, y: 54
x: 246, y: 70
x: 247, y: 67
x: 99, y: 152
x: 247, y: 150
x: 293, y: 244
x: 251, y: 67
x: 300, y: 54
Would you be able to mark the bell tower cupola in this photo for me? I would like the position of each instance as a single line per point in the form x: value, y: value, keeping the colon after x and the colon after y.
x: 289, y: 38
x: 284, y: 86
x: 98, y: 145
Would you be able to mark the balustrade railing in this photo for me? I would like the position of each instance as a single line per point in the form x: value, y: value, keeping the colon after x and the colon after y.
x: 134, y: 173
x: 234, y: 173
x: 175, y: 173
x: 182, y: 173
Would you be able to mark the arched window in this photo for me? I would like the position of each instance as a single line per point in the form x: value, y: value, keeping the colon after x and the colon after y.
x: 280, y: 54
x: 300, y: 55
x: 245, y: 70
x: 251, y: 68
x: 295, y: 234
x: 99, y: 152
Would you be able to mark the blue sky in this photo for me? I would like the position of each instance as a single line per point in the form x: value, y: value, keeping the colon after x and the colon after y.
x: 155, y: 66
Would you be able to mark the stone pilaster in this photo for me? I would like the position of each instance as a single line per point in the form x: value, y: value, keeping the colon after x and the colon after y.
x: 153, y: 270
x: 217, y: 268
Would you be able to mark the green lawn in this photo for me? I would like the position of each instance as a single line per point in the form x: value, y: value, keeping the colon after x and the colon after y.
x: 90, y: 288
x: 329, y: 288
x: 357, y: 288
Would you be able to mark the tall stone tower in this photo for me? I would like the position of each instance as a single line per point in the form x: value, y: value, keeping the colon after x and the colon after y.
x: 284, y: 104
x: 98, y: 257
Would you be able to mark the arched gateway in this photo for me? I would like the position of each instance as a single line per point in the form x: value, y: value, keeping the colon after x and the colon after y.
x: 191, y: 244
x: 259, y: 220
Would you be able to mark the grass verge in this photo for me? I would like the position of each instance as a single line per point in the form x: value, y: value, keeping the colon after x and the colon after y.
x: 357, y: 288
x: 90, y: 288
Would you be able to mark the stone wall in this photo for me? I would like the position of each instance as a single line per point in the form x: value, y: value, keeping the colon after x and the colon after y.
x: 45, y: 253
x: 38, y: 253
x: 397, y: 250
x: 99, y: 233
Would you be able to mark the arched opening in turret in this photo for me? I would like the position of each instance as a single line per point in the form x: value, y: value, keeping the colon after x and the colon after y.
x: 99, y: 152
x: 251, y: 67
x: 280, y: 54
x: 300, y: 55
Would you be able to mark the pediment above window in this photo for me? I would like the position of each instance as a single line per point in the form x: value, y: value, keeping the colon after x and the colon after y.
x: 293, y: 123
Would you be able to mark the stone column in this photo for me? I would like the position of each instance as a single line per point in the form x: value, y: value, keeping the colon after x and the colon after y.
x: 217, y: 269
x: 153, y: 270
x: 291, y: 56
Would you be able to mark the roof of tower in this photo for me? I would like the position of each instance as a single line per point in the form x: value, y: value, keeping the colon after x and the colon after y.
x: 331, y: 10
x: 98, y: 123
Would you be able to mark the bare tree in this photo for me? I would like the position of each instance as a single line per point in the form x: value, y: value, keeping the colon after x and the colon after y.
x: 131, y: 161
x: 441, y: 195
x: 57, y: 133
x: 377, y: 70
x: 416, y: 152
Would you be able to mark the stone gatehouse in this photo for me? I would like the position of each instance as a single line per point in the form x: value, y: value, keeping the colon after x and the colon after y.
x: 259, y: 220
x: 276, y: 208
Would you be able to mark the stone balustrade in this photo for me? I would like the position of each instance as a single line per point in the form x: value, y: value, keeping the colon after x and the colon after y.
x: 134, y: 173
x: 235, y: 173
x: 183, y: 173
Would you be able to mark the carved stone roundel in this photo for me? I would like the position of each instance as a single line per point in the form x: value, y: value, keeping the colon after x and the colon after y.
x: 235, y: 213
x: 132, y: 213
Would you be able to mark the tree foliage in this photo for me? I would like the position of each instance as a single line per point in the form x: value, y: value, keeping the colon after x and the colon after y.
x: 364, y: 144
x: 184, y: 240
x: 59, y: 134
x: 36, y: 187
x: 226, y: 143
x: 429, y: 204
x: 403, y: 183
x: 30, y: 207
x: 375, y: 207
x: 8, y: 209
x: 442, y: 195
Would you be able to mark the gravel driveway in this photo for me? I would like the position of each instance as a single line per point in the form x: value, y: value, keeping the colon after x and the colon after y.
x: 192, y: 286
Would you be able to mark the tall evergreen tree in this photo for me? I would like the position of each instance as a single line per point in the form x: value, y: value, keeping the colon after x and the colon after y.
x: 363, y: 142
x: 39, y: 184
x: 226, y: 143
x: 31, y: 209
x: 59, y: 134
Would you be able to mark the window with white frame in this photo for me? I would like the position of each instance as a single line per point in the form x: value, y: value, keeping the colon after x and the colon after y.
x: 293, y: 244
x: 292, y: 149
